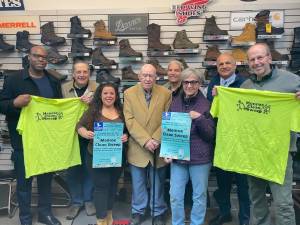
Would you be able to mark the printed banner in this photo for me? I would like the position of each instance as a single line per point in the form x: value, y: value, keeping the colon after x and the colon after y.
x: 9, y: 5
x: 107, y: 147
x: 175, y: 140
x: 13, y: 24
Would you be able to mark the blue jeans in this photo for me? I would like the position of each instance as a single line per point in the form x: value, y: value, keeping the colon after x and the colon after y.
x: 79, y: 179
x: 139, y: 200
x: 180, y: 175
x: 222, y: 194
x: 24, y: 190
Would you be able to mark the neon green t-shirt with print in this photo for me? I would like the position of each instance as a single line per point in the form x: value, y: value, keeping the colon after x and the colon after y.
x: 253, y: 131
x: 50, y: 141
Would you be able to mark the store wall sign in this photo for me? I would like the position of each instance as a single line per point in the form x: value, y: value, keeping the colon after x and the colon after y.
x: 239, y: 19
x: 7, y: 5
x: 13, y: 24
x: 128, y: 24
x: 190, y: 8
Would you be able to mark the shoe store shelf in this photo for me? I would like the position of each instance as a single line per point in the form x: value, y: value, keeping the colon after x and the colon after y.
x: 269, y: 36
x: 79, y: 54
x: 174, y: 52
x: 100, y: 67
x: 159, y: 53
x: 280, y: 62
x: 240, y: 44
x: 187, y: 51
x: 78, y: 36
x: 130, y: 59
x: 216, y: 37
x: 241, y: 63
x: 101, y: 42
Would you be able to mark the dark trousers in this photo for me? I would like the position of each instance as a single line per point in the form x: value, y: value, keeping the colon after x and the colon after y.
x: 222, y: 194
x: 24, y: 190
x: 105, y: 187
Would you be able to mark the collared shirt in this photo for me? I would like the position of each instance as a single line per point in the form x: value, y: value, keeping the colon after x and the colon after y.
x: 228, y: 81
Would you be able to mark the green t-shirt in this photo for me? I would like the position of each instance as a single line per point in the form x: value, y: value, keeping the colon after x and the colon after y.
x: 50, y: 141
x: 253, y: 131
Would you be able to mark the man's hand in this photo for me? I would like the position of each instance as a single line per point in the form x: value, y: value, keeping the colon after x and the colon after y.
x: 214, y: 91
x: 86, y: 99
x: 298, y: 95
x: 194, y: 114
x: 168, y: 160
x: 124, y: 138
x: 22, y: 100
x: 151, y: 145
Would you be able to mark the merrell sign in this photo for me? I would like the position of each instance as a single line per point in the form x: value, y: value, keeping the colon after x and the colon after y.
x: 6, y: 5
x: 13, y: 24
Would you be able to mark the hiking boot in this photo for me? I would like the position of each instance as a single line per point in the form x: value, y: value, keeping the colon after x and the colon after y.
x: 5, y: 46
x: 49, y: 37
x: 212, y: 53
x: 104, y: 76
x: 25, y: 62
x: 276, y: 56
x: 78, y: 46
x: 54, y: 57
x: 183, y: 62
x: 98, y: 59
x: 247, y: 36
x: 23, y: 43
x: 262, y: 19
x: 73, y: 212
x: 181, y: 41
x: 57, y: 75
x: 76, y: 27
x: 159, y: 70
x: 126, y: 50
x: 243, y: 71
x: 129, y: 74
x: 239, y: 55
x: 211, y: 27
x: 154, y: 38
x: 101, y: 32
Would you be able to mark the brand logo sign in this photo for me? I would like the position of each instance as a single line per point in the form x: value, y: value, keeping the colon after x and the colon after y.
x: 190, y: 8
x: 13, y: 24
x: 7, y: 5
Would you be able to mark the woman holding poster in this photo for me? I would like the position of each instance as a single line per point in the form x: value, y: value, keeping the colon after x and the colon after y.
x: 105, y: 107
x: 202, y: 136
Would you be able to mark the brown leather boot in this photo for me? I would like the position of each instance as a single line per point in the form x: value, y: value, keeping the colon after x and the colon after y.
x: 154, y: 38
x: 181, y: 41
x: 126, y: 50
x: 98, y: 59
x: 212, y: 53
x: 247, y: 36
x: 239, y: 55
x: 159, y: 70
x: 129, y: 74
x: 101, y: 32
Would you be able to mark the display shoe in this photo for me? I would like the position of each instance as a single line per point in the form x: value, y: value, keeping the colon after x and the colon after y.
x: 247, y: 36
x: 211, y: 27
x: 104, y: 76
x: 262, y: 19
x: 297, y: 35
x: 184, y: 64
x: 181, y: 41
x: 160, y: 71
x: 49, y: 37
x: 212, y: 53
x: 23, y: 43
x: 5, y: 46
x: 76, y: 27
x: 239, y: 55
x: 101, y: 32
x: 98, y: 59
x: 54, y: 57
x: 57, y: 75
x: 154, y: 38
x: 79, y: 47
x: 126, y: 50
x: 129, y: 74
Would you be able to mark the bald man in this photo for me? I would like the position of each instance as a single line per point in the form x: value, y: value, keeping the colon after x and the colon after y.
x: 17, y: 89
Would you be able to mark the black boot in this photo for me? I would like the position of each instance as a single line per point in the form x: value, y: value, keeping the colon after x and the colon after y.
x: 98, y: 59
x: 76, y: 27
x: 211, y: 27
x: 181, y: 41
x: 104, y: 76
x: 126, y: 50
x: 262, y: 18
x: 23, y: 43
x: 54, y: 57
x: 154, y: 38
x: 49, y: 37
x: 25, y: 62
x: 78, y: 46
x: 129, y: 74
x: 297, y: 35
x: 5, y: 46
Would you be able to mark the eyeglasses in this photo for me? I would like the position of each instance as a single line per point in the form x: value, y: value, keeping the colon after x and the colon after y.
x: 145, y: 75
x: 38, y: 56
x: 191, y: 82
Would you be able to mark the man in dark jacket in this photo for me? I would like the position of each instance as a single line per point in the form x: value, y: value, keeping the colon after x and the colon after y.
x: 17, y: 89
x: 227, y: 77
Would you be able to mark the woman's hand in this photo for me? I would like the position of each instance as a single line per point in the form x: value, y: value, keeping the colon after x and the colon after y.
x: 87, y: 134
x: 124, y: 138
x: 168, y: 160
x: 194, y: 115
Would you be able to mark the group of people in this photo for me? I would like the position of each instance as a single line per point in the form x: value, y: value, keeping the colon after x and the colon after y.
x: 95, y: 188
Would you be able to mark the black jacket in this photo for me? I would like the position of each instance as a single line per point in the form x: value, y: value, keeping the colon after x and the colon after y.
x: 14, y: 85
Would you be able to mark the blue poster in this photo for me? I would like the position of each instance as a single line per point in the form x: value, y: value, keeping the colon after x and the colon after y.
x: 107, y: 146
x: 175, y: 138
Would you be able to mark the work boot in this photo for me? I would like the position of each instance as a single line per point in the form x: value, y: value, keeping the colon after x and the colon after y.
x: 276, y: 56
x: 78, y: 46
x: 101, y: 32
x: 159, y: 70
x: 23, y: 43
x: 104, y: 76
x: 5, y: 46
x: 212, y: 53
x: 154, y: 38
x: 126, y: 50
x: 76, y: 27
x: 57, y: 75
x: 183, y: 62
x: 98, y: 59
x: 54, y: 57
x: 243, y: 71
x: 181, y: 41
x: 247, y: 36
x: 211, y: 27
x: 263, y: 18
x: 129, y: 74
x: 49, y: 37
x: 25, y: 62
x: 239, y: 55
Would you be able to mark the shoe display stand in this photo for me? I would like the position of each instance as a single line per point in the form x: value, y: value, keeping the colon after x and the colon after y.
x: 131, y: 59
x: 242, y: 44
x: 174, y: 52
x: 78, y: 36
x: 103, y: 67
x: 101, y: 42
x: 79, y: 54
x: 216, y: 37
x: 269, y: 36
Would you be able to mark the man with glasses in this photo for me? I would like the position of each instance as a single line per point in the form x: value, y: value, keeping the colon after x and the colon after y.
x: 272, y: 79
x: 17, y: 89
x: 144, y: 104
x: 78, y: 178
x: 227, y: 77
